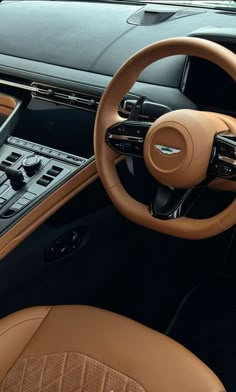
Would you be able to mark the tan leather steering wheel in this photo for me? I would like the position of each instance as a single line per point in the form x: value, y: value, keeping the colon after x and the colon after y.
x: 188, y: 136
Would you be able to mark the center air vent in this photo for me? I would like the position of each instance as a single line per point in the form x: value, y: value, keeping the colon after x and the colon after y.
x: 64, y: 97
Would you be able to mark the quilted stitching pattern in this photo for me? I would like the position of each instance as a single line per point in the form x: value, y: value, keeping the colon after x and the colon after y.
x: 65, y: 372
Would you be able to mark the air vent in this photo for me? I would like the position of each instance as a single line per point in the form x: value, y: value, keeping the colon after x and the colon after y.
x: 64, y: 97
x: 152, y: 18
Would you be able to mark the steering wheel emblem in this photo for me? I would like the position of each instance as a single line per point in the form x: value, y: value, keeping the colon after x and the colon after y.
x: 167, y: 150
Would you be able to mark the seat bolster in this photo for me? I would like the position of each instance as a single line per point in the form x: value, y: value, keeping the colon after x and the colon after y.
x: 154, y: 361
x: 96, y: 349
x: 16, y: 331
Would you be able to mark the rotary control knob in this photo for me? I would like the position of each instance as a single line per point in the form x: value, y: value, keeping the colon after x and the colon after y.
x: 31, y: 164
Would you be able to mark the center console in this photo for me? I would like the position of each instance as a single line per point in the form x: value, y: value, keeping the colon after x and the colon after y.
x: 28, y: 171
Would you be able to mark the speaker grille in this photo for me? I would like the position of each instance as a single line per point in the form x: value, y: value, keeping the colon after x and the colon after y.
x: 152, y: 18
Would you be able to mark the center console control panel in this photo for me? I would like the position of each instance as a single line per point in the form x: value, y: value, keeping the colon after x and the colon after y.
x: 28, y: 172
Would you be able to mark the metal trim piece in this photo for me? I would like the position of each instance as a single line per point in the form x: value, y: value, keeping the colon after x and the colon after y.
x: 167, y: 150
x: 64, y: 97
x: 18, y: 85
x: 70, y: 98
x: 125, y: 137
x: 223, y: 158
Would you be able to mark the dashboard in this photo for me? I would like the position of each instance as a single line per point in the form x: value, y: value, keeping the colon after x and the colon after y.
x: 56, y: 59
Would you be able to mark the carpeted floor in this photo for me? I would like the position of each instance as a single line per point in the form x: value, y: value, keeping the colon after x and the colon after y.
x: 206, y: 324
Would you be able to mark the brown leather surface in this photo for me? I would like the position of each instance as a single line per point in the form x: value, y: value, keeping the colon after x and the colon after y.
x: 223, y: 185
x: 151, y: 359
x: 65, y: 372
x: 107, y: 116
x: 46, y: 208
x: 7, y: 104
x: 16, y: 331
x: 106, y: 157
x: 190, y: 131
x: 24, y: 227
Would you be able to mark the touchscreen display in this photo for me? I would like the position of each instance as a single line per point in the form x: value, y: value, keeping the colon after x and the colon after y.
x: 61, y: 127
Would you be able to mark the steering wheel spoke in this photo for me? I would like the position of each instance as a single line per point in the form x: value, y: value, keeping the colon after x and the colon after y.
x: 128, y: 137
x: 176, y: 147
x: 223, y: 158
x: 171, y: 203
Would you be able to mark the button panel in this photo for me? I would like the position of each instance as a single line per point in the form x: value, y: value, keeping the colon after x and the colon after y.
x: 4, y: 165
x: 13, y: 157
x: 128, y: 137
x: 223, y: 159
x: 2, y: 201
x: 66, y: 244
x: 30, y: 195
x: 48, y: 151
x: 44, y: 180
x: 54, y: 171
x: 36, y: 185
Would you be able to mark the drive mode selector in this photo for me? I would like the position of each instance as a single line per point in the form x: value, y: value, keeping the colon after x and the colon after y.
x: 31, y: 164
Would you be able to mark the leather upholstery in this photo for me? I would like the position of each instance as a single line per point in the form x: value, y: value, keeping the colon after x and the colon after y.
x: 107, y: 115
x: 70, y: 348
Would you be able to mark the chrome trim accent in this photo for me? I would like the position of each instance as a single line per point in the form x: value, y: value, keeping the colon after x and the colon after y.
x: 167, y: 150
x: 18, y: 85
x: 125, y: 137
x: 63, y: 96
x: 46, y: 151
x: 223, y: 158
x: 42, y: 91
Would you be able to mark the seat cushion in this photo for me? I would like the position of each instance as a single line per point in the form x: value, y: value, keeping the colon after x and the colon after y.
x: 80, y: 348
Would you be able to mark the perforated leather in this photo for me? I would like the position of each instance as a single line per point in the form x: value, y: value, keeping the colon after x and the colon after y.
x: 65, y: 372
x: 84, y: 349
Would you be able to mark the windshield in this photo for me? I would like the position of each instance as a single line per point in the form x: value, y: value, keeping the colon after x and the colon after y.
x: 216, y: 4
x: 224, y: 4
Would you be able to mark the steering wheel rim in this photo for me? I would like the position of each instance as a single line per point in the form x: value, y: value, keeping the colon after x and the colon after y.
x: 107, y: 115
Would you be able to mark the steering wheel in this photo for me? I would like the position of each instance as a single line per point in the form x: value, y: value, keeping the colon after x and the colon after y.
x: 183, y: 150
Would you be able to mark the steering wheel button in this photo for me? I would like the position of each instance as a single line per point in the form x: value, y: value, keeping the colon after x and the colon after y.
x: 127, y: 147
x: 138, y: 149
x: 119, y: 130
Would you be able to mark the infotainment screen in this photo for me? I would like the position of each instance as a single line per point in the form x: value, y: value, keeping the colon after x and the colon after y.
x: 61, y: 127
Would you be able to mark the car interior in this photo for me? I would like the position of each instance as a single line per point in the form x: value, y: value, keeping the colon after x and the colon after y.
x: 117, y: 196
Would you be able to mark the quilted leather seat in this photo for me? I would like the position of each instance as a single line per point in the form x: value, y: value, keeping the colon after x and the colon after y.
x: 84, y: 349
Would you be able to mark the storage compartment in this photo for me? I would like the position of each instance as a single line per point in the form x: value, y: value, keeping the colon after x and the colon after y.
x: 7, y: 106
x: 12, y: 102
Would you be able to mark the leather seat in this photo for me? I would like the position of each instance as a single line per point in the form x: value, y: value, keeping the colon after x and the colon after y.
x: 79, y: 348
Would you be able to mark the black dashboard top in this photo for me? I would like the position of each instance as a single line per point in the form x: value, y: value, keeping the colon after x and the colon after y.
x: 90, y: 37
